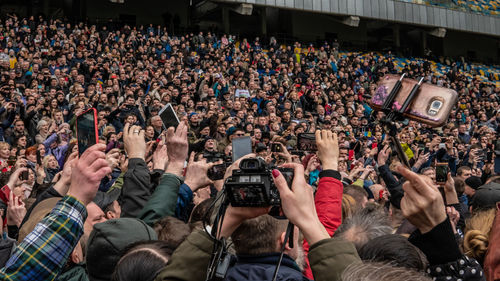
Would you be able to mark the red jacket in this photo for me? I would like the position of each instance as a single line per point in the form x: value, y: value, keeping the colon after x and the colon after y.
x: 328, y: 202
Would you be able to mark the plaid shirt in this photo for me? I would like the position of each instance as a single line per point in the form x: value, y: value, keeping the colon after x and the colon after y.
x: 45, y: 251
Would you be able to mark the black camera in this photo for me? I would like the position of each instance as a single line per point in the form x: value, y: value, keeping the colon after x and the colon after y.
x: 253, y: 185
x: 216, y: 156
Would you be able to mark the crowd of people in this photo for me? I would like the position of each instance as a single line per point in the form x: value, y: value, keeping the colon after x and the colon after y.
x: 139, y: 204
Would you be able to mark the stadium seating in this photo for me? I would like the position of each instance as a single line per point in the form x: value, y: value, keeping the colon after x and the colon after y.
x: 489, y: 7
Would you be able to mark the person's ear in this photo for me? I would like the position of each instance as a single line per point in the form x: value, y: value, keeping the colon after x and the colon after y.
x: 77, y: 254
x: 282, y: 240
x: 110, y: 215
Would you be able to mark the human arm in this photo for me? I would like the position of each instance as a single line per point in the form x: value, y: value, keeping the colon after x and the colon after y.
x: 328, y: 198
x: 136, y: 181
x: 423, y: 206
x: 44, y: 252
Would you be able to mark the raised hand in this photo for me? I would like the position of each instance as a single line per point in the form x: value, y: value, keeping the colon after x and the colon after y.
x: 177, y: 143
x: 14, y: 178
x: 133, y: 139
x: 383, y: 155
x: 298, y: 204
x: 15, y: 210
x: 160, y: 157
x: 422, y: 203
x: 196, y: 173
x: 328, y: 149
x: 88, y: 172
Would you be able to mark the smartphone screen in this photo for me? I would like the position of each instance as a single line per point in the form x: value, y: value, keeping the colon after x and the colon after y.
x: 168, y: 117
x: 24, y: 175
x: 441, y: 172
x: 307, y: 142
x: 86, y: 130
x: 217, y: 172
x: 241, y: 147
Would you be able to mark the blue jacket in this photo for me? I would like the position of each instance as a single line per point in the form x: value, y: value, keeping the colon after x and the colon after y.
x: 261, y: 267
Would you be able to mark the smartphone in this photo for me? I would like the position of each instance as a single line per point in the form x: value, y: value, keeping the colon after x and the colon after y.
x: 431, y: 105
x: 489, y: 156
x: 441, y: 173
x: 38, y: 158
x: 241, y: 147
x: 217, y: 172
x: 276, y: 147
x: 24, y: 175
x: 86, y: 130
x: 442, y: 146
x: 168, y: 117
x: 4, y: 194
x: 307, y: 142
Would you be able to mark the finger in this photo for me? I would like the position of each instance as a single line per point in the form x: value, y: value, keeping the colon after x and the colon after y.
x: 450, y: 178
x: 318, y: 136
x: 141, y: 133
x: 126, y: 130
x: 298, y: 169
x: 329, y: 134
x: 191, y: 157
x: 421, y: 185
x: 11, y: 198
x: 281, y: 184
x: 170, y: 133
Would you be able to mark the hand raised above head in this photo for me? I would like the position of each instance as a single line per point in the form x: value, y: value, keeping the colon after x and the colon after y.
x: 87, y: 173
x: 422, y: 203
x: 328, y: 149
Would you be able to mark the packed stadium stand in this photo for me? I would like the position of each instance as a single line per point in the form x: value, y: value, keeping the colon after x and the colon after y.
x: 488, y: 7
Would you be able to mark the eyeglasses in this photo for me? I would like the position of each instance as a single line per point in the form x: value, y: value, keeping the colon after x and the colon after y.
x: 239, y: 135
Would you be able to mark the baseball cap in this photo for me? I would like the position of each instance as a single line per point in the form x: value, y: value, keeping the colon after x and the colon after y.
x: 486, y: 196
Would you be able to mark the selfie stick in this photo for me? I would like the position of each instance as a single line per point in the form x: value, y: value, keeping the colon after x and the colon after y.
x: 393, y: 115
x: 288, y: 238
x: 390, y: 99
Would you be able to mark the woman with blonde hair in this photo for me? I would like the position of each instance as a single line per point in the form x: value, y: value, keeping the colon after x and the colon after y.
x: 477, y: 231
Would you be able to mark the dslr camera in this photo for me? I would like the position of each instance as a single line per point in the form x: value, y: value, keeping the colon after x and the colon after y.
x: 253, y: 184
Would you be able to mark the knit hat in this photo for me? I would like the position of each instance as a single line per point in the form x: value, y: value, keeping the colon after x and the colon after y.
x: 474, y: 182
x: 486, y: 196
x: 40, y: 211
x: 107, y: 242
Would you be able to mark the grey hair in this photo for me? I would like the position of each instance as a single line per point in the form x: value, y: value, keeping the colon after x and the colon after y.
x: 369, y: 271
x: 40, y: 124
x: 363, y: 226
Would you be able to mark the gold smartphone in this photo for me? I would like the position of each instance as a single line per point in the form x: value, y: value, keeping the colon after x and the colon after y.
x: 431, y: 105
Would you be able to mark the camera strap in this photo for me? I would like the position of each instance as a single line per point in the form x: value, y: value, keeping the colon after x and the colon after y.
x: 289, y: 239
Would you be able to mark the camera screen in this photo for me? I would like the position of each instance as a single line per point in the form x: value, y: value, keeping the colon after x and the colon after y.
x: 86, y: 130
x: 251, y: 195
x: 307, y: 142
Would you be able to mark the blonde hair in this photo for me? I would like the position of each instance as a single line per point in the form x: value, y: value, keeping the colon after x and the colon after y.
x: 46, y: 159
x: 3, y: 145
x: 477, y: 230
x: 348, y: 206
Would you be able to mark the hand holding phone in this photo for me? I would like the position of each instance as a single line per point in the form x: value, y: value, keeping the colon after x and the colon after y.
x: 86, y: 130
x: 168, y: 117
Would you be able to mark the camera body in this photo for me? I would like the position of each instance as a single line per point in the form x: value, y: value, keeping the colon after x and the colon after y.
x: 216, y: 156
x: 253, y: 184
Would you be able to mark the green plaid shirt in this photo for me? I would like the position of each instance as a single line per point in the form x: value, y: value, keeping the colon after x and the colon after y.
x: 45, y: 251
